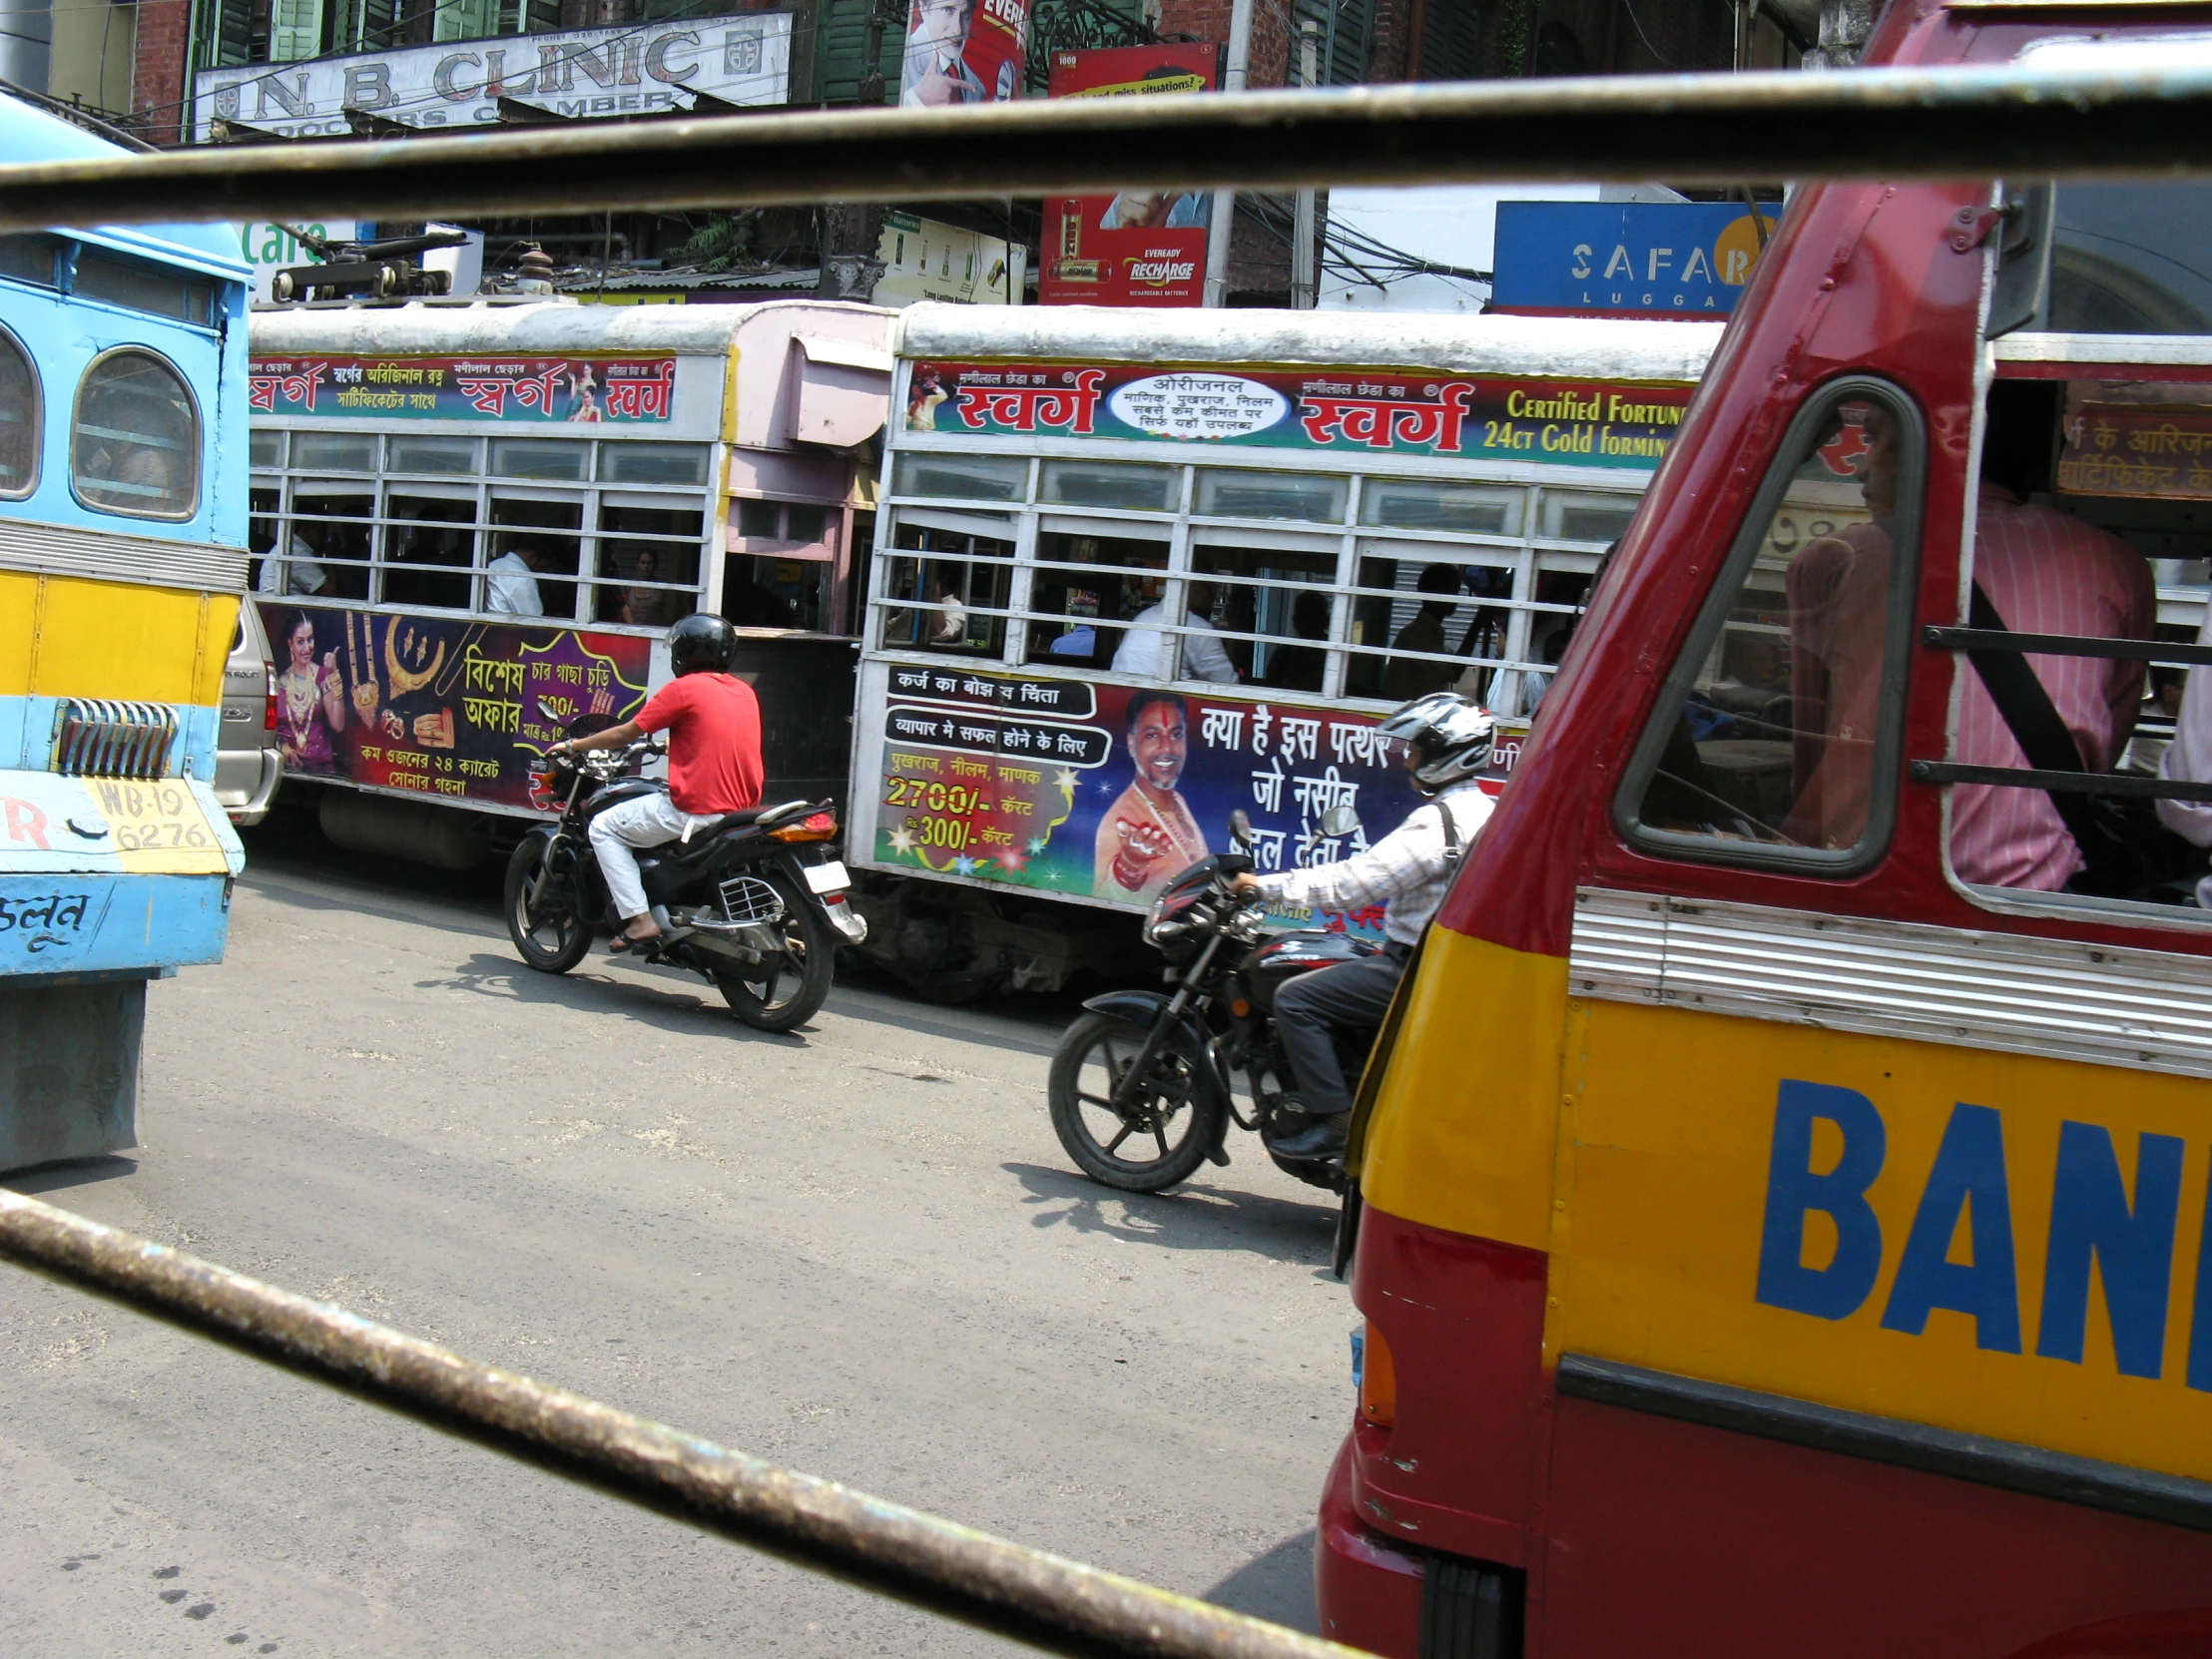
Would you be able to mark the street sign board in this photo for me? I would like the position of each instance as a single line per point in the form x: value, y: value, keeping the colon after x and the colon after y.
x: 1625, y: 258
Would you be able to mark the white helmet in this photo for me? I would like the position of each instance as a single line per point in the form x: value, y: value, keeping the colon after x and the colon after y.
x: 1452, y: 735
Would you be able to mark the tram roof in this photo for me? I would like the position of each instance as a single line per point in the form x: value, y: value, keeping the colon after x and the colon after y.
x: 548, y: 328
x: 29, y: 134
x: 1566, y: 348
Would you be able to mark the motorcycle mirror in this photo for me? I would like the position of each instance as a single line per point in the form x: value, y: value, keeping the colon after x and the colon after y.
x: 1339, y: 821
x: 1239, y: 828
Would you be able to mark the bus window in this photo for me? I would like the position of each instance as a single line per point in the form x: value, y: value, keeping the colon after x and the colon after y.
x: 1316, y: 497
x: 1084, y: 588
x: 18, y: 420
x: 413, y: 452
x: 1419, y: 624
x: 647, y: 564
x: 653, y: 464
x: 267, y: 570
x: 326, y: 550
x: 265, y: 449
x: 1274, y: 605
x: 2098, y: 546
x: 134, y: 442
x: 1144, y: 489
x: 937, y: 581
x: 430, y: 550
x: 961, y: 477
x: 1418, y: 504
x: 781, y: 570
x: 555, y: 460
x: 334, y: 451
x: 1775, y: 740
x: 536, y: 555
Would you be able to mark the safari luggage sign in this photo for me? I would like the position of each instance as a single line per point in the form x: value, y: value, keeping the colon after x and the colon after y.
x: 1374, y: 412
x: 1681, y: 260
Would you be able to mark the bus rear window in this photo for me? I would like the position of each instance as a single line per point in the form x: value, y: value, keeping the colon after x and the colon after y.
x: 2131, y: 258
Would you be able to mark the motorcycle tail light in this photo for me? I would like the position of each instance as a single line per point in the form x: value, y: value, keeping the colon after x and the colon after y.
x: 814, y: 827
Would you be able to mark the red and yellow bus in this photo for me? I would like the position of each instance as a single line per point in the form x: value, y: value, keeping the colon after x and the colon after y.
x: 1784, y: 1220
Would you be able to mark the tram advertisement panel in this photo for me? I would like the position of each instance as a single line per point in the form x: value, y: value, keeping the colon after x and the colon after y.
x: 1103, y: 793
x: 618, y: 390
x: 457, y: 710
x: 1599, y: 424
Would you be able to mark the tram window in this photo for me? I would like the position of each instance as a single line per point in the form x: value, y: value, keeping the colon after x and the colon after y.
x: 265, y: 449
x: 334, y: 451
x: 266, y: 569
x: 1084, y: 588
x: 429, y: 551
x: 327, y: 549
x: 961, y: 477
x: 32, y: 259
x: 647, y: 583
x: 144, y: 287
x: 1281, y: 594
x: 1143, y: 490
x: 937, y: 581
x: 19, y: 420
x: 135, y: 440
x: 1314, y: 497
x: 1775, y: 740
x: 550, y: 458
x: 408, y: 452
x: 1600, y: 518
x: 1410, y: 505
x: 534, y: 558
x: 652, y: 463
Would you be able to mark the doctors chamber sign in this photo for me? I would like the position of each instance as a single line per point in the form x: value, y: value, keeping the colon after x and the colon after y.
x: 581, y: 73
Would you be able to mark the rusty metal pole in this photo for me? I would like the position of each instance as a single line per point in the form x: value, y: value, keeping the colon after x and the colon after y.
x: 1044, y: 1600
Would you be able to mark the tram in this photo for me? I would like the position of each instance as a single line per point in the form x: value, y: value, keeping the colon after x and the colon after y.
x: 1232, y: 540
x: 1781, y: 1211
x: 121, y: 562
x: 474, y: 519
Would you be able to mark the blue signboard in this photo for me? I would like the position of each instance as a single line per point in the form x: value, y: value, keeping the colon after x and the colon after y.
x: 1623, y: 259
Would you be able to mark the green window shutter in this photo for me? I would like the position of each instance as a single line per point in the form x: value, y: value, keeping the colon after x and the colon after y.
x: 467, y: 19
x: 294, y: 30
x: 362, y: 25
x: 223, y: 33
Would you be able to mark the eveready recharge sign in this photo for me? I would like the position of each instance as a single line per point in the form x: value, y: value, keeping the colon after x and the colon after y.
x: 581, y: 74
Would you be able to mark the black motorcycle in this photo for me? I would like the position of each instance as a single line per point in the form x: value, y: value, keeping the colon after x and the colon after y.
x: 1142, y: 1084
x: 742, y: 904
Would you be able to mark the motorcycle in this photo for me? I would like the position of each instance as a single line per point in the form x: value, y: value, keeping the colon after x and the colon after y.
x: 738, y: 903
x: 1154, y: 1072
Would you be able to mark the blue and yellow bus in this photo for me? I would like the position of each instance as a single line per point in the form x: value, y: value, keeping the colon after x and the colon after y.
x: 122, y: 563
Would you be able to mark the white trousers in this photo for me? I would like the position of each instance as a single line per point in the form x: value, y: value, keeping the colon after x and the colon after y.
x: 648, y: 820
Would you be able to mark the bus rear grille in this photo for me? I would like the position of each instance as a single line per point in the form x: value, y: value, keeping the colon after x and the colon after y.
x: 96, y: 737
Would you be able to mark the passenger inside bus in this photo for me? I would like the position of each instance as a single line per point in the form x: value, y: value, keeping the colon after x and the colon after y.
x: 1410, y: 677
x: 1144, y: 649
x: 511, y: 580
x: 1084, y: 587
x: 1299, y: 667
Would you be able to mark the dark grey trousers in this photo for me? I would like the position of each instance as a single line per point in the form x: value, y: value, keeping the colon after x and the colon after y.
x: 1353, y: 996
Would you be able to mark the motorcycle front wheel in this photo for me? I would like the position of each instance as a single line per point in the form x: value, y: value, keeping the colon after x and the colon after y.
x: 786, y: 990
x: 1160, y: 1136
x: 549, y: 930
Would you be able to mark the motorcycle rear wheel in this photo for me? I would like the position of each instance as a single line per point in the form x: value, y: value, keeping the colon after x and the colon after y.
x: 551, y: 937
x: 784, y: 992
x: 1174, y: 1113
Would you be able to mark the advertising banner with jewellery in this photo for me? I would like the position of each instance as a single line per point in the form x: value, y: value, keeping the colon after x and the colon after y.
x: 1102, y: 792
x: 1389, y: 411
x: 1136, y: 246
x: 451, y: 709
x: 579, y: 73
x: 617, y: 390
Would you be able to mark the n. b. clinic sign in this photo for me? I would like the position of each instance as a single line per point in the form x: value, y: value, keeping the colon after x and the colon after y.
x: 1682, y: 259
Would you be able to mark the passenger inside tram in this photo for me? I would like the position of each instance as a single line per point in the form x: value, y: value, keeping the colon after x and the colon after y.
x: 1299, y: 667
x: 1410, y: 677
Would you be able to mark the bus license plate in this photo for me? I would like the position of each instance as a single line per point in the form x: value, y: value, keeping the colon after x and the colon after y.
x: 829, y: 877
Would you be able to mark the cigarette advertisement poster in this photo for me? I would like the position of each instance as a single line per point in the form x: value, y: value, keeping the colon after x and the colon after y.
x: 1137, y: 247
x: 625, y: 391
x: 964, y: 51
x: 449, y: 709
x: 1104, y: 793
x: 2147, y: 439
x: 1378, y: 411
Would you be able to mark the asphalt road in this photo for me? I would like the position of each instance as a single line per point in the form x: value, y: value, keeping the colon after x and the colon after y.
x: 856, y: 1249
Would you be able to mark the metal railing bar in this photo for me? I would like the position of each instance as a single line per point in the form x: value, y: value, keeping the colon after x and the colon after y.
x: 1043, y: 1600
x: 1886, y: 124
x: 2122, y: 783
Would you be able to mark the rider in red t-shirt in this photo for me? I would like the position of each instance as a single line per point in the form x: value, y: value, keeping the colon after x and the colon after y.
x: 713, y: 763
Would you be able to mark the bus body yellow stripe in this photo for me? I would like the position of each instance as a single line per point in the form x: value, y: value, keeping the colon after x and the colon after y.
x: 63, y: 636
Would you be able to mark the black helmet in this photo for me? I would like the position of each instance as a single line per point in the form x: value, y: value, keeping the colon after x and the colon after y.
x: 702, y: 643
x: 1450, y: 735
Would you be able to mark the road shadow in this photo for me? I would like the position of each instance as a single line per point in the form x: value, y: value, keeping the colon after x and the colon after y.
x: 668, y: 1008
x: 73, y: 1172
x: 1278, y: 1586
x: 1189, y: 1217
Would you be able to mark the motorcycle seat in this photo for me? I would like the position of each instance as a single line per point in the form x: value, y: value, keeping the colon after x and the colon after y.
x: 749, y: 815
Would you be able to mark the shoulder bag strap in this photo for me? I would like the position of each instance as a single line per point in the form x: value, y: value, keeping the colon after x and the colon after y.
x: 2032, y: 716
